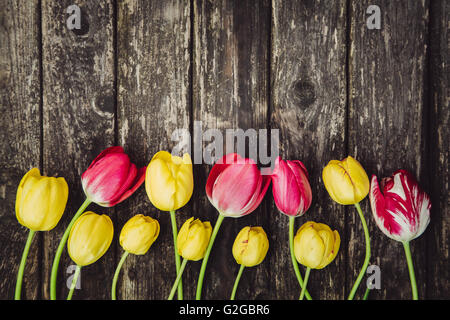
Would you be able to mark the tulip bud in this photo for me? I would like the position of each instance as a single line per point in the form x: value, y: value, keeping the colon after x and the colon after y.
x: 315, y: 245
x: 111, y: 177
x: 290, y: 187
x: 90, y: 238
x: 169, y: 181
x: 346, y: 181
x: 251, y: 246
x: 138, y: 234
x: 235, y: 186
x: 40, y: 200
x: 402, y: 209
x: 193, y: 239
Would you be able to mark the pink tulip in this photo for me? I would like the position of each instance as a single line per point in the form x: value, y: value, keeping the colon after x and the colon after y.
x: 290, y: 187
x: 111, y: 177
x: 402, y: 209
x: 235, y: 186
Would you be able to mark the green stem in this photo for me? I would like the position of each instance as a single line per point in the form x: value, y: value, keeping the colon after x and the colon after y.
x: 366, y: 294
x: 60, y: 249
x: 294, y: 260
x: 22, y: 265
x: 367, y: 257
x: 302, y: 294
x: 177, y: 256
x: 205, y: 259
x: 236, y: 282
x: 116, y: 275
x: 412, y: 275
x: 177, y: 280
x: 74, y: 282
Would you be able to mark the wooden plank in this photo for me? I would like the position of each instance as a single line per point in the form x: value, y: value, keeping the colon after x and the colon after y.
x: 386, y: 126
x: 78, y: 109
x: 438, y: 286
x: 154, y: 42
x: 309, y: 107
x: 230, y: 91
x: 20, y: 138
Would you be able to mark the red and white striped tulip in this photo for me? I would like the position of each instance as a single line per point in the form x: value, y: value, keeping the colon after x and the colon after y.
x: 111, y: 177
x: 401, y: 209
x: 290, y: 187
x: 235, y: 186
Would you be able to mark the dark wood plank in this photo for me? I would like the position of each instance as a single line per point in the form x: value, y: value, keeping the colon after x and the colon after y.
x: 154, y: 42
x: 78, y: 109
x: 438, y: 286
x: 230, y: 91
x: 309, y: 107
x: 386, y: 127
x: 20, y: 138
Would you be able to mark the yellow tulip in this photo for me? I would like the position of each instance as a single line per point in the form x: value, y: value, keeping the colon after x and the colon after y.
x: 169, y: 181
x: 250, y: 246
x: 40, y: 204
x: 346, y: 181
x: 193, y: 239
x: 40, y: 200
x: 138, y: 234
x: 90, y: 238
x: 315, y: 245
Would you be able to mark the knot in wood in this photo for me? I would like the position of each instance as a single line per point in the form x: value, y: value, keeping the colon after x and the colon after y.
x: 303, y: 93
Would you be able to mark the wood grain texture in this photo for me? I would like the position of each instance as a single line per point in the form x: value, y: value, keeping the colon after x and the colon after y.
x: 230, y: 84
x: 309, y: 107
x: 154, y: 42
x: 138, y: 70
x: 78, y: 109
x: 438, y: 237
x: 387, y: 127
x: 20, y: 138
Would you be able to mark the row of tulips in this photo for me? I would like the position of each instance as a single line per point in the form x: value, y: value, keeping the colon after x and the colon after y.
x: 235, y: 187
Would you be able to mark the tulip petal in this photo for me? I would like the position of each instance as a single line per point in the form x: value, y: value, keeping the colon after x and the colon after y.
x: 250, y: 246
x: 169, y: 181
x: 110, y: 150
x: 260, y: 195
x: 358, y: 177
x: 300, y: 165
x: 184, y: 182
x: 159, y: 174
x: 328, y: 241
x: 217, y: 169
x: 25, y: 185
x: 378, y: 204
x: 130, y: 177
x: 235, y: 187
x: 103, y: 181
x: 193, y: 239
x: 338, y: 183
x: 304, y: 189
x: 132, y: 187
x: 255, y: 250
x: 58, y: 194
x: 90, y: 238
x: 36, y: 204
x: 240, y: 244
x: 285, y: 188
x: 417, y: 202
x: 334, y: 252
x: 183, y: 234
x: 310, y: 250
x: 404, y: 213
x: 138, y: 234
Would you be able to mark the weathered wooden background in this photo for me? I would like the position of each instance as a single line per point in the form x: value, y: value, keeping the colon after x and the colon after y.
x: 137, y: 70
